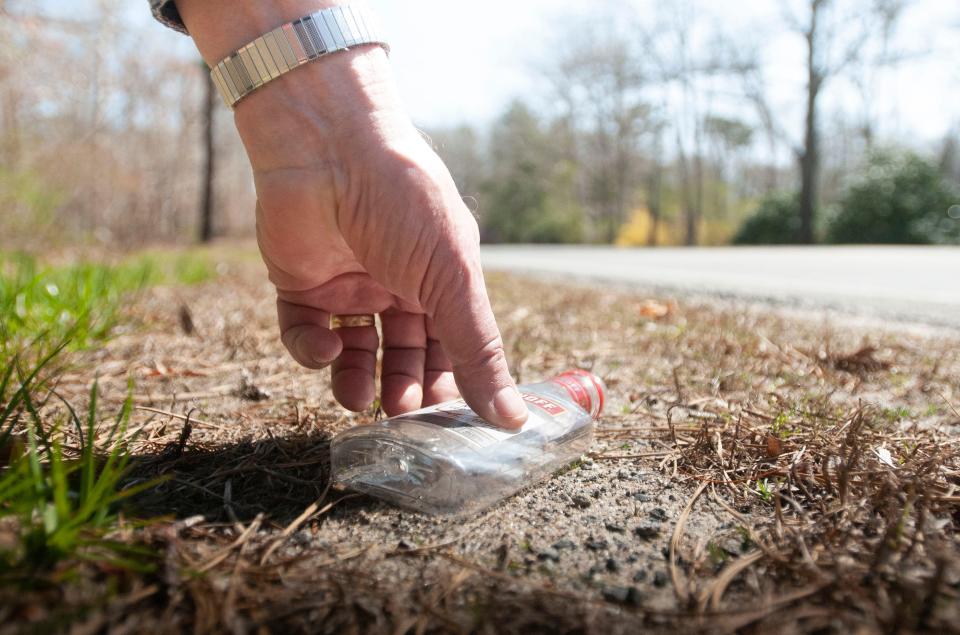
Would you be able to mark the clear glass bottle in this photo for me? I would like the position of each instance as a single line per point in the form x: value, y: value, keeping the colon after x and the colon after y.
x: 447, y: 460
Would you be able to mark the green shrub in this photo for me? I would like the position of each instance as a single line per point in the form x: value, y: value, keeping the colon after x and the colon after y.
x: 900, y: 198
x: 776, y: 222
x: 529, y: 196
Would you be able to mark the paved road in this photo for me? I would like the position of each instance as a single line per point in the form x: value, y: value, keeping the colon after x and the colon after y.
x: 920, y: 284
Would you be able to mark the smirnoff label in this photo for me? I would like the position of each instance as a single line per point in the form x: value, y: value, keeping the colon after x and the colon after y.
x: 550, y: 407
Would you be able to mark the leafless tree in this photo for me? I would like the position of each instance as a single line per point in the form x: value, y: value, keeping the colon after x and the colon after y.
x: 599, y: 78
x: 209, y: 162
x: 834, y: 33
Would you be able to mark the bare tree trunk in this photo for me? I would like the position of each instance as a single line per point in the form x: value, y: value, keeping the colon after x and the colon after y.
x: 653, y: 202
x: 693, y: 235
x: 810, y: 155
x: 206, y: 189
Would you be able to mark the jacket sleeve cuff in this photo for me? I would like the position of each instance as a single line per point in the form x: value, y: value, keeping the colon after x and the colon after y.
x: 166, y: 12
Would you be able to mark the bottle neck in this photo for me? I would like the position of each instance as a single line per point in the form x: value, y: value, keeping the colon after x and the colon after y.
x: 585, y: 389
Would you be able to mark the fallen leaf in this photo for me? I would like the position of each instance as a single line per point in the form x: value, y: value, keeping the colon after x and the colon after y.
x: 774, y: 446
x: 653, y: 310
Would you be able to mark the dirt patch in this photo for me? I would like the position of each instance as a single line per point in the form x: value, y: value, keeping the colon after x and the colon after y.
x: 751, y: 471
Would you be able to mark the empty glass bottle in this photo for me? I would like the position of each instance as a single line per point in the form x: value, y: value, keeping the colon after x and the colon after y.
x: 447, y: 460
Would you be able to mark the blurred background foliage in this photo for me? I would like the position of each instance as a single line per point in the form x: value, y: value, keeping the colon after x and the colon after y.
x: 642, y: 127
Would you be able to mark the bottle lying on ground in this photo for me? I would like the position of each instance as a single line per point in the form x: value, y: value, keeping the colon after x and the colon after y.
x: 447, y: 460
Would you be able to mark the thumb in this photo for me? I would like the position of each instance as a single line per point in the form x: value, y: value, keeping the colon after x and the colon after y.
x: 463, y: 321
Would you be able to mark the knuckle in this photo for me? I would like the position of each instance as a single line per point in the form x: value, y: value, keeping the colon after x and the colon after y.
x: 488, y: 353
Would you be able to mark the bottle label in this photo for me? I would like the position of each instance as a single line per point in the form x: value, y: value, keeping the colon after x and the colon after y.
x: 575, y: 390
x: 458, y: 418
x: 550, y: 407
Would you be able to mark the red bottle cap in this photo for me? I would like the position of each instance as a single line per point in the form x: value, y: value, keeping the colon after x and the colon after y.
x: 584, y: 379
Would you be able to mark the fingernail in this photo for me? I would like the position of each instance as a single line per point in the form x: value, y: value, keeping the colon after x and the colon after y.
x: 509, y: 405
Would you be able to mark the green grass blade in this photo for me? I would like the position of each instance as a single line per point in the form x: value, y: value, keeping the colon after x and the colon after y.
x: 87, y: 454
x: 6, y: 424
x: 59, y: 485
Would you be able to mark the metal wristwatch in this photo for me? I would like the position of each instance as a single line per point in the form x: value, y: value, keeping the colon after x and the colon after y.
x: 292, y: 45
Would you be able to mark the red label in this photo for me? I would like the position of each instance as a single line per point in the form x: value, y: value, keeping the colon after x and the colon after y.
x: 577, y: 392
x: 551, y: 408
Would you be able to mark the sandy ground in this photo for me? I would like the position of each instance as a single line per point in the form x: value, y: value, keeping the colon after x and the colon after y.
x: 587, y: 551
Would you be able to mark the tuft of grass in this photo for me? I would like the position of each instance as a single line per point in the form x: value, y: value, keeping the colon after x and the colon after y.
x: 896, y: 415
x: 62, y: 478
x: 81, y: 302
x: 779, y: 426
x: 717, y: 555
x: 61, y: 505
x: 763, y: 489
x: 41, y: 304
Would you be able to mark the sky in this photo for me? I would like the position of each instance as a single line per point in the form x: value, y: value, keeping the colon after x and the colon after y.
x: 459, y: 61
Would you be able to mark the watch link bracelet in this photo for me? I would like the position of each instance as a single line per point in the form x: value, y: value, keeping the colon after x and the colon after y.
x: 292, y: 45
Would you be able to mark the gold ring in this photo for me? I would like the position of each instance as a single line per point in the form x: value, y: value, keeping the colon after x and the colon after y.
x: 351, y: 321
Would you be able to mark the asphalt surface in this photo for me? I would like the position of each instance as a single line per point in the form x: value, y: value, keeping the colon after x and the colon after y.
x: 914, y: 284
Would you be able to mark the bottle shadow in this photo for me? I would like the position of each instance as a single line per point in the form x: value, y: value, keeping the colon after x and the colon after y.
x: 232, y: 482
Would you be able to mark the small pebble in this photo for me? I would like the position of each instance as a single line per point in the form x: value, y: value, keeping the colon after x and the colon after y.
x: 581, y: 501
x: 643, y: 498
x: 732, y: 545
x: 623, y: 595
x: 564, y: 544
x: 660, y: 579
x: 595, y: 545
x: 647, y: 531
x: 658, y: 513
x: 617, y: 529
x: 612, y: 565
x: 640, y: 575
x: 618, y: 594
x: 549, y: 554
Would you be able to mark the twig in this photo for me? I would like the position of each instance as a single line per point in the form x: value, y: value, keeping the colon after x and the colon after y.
x: 682, y: 594
x: 175, y: 415
x: 297, y: 522
x: 420, y: 550
x: 616, y: 457
x: 949, y: 404
x: 239, y: 542
x: 218, y: 391
x: 714, y: 592
x: 677, y: 384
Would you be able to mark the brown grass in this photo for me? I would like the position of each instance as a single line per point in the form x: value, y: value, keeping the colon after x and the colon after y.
x: 827, y: 452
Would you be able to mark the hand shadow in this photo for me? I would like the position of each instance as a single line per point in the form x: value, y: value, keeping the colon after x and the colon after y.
x: 234, y: 482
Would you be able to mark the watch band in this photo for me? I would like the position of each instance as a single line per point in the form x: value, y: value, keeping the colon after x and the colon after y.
x: 292, y: 45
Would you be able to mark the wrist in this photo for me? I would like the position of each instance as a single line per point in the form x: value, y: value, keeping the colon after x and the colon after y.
x: 346, y: 94
x: 346, y: 101
x: 220, y: 27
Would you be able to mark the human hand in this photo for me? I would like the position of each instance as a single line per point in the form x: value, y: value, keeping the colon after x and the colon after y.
x: 357, y: 215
